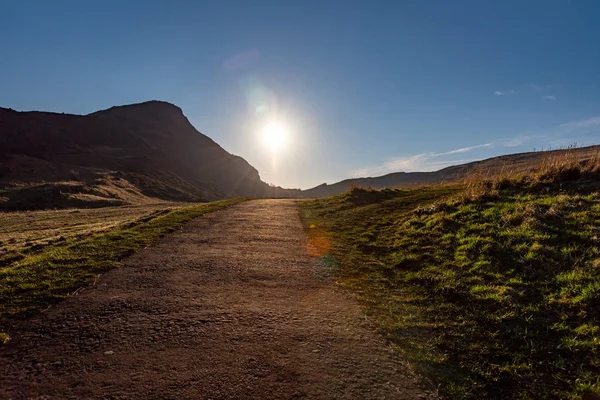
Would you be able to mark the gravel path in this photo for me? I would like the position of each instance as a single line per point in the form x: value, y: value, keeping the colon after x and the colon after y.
x: 228, y: 307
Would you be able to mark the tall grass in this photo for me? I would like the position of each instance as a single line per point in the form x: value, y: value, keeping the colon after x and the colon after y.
x: 556, y: 167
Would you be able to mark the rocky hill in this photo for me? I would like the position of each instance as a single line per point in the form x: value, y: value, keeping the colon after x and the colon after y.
x: 129, y: 154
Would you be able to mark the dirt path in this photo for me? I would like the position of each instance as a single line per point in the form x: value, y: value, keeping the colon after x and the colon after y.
x: 229, y: 307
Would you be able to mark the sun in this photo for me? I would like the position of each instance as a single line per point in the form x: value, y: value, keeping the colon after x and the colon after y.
x: 275, y: 135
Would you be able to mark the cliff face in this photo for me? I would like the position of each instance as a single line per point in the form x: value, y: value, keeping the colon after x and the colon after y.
x: 150, y: 146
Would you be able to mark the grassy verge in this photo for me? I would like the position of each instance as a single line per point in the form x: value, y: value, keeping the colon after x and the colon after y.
x: 44, y: 278
x: 494, y: 294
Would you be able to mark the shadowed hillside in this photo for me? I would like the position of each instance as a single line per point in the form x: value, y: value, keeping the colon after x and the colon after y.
x: 130, y: 154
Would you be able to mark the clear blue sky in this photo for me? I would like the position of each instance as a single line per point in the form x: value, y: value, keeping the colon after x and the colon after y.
x: 367, y: 87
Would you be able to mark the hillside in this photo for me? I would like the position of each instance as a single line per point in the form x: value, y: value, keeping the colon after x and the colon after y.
x: 131, y: 154
x: 490, y: 290
x: 522, y: 162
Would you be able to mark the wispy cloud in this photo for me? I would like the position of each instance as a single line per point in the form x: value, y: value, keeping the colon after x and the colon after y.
x: 408, y: 163
x: 465, y: 149
x: 518, y: 140
x: 505, y: 93
x: 582, y: 124
x: 419, y: 162
x: 431, y: 161
x: 579, y: 131
x: 545, y: 89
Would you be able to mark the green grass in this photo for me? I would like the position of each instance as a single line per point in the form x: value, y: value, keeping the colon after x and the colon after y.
x: 496, y: 296
x: 43, y: 278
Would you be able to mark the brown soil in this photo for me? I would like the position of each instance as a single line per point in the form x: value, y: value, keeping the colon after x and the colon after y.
x: 229, y: 307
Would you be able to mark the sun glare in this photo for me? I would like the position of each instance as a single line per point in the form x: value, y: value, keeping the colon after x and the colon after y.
x: 275, y: 135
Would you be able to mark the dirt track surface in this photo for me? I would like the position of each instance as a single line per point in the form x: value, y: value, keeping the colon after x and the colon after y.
x: 229, y: 307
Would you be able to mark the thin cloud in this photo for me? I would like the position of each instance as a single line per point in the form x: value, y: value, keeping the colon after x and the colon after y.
x: 518, y: 140
x: 409, y: 163
x: 508, y: 142
x: 558, y: 134
x: 465, y: 149
x: 431, y: 162
x: 360, y: 173
x: 506, y: 93
x: 550, y: 98
x: 582, y: 124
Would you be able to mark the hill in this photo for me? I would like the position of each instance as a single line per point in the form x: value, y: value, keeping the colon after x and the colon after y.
x: 522, y: 162
x: 133, y: 154
x: 490, y: 290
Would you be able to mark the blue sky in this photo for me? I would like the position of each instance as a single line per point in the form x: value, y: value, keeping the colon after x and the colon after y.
x: 366, y: 87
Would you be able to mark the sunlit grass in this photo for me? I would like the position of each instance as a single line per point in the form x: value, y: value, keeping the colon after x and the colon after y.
x: 490, y: 290
x: 23, y: 232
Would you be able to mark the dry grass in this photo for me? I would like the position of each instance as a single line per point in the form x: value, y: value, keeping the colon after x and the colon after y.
x: 29, y: 231
x: 95, y: 242
x: 553, y: 167
x: 105, y: 190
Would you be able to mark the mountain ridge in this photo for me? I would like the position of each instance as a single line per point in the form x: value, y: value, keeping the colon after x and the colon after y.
x: 518, y: 162
x: 148, y: 149
x: 150, y: 152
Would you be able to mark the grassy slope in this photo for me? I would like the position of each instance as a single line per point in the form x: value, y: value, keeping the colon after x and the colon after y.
x: 43, y: 278
x: 497, y: 297
x: 22, y: 233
